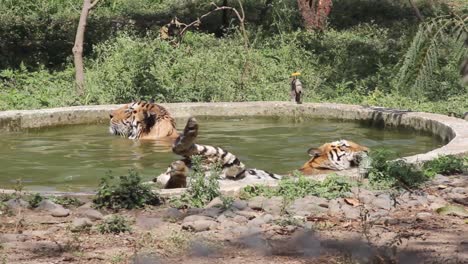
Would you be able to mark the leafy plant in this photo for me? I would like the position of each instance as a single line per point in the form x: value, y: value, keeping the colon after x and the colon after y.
x: 299, y: 186
x: 34, y: 200
x: 124, y: 192
x: 67, y: 201
x: 115, y: 224
x: 202, y: 187
x: 445, y: 165
x: 387, y: 173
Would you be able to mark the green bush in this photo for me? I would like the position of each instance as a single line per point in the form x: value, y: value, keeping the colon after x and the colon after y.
x: 202, y: 188
x: 67, y: 201
x: 115, y: 224
x: 124, y: 192
x: 34, y: 200
x: 299, y: 186
x: 445, y: 165
x: 387, y: 173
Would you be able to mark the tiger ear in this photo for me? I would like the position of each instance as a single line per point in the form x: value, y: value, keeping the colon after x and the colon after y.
x: 151, y: 101
x: 314, y: 152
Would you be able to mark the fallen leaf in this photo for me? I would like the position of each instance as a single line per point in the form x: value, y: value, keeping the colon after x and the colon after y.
x: 441, y: 186
x: 352, y: 201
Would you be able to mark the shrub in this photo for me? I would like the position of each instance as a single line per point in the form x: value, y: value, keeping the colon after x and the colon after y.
x: 67, y: 201
x: 34, y: 200
x: 299, y: 186
x: 445, y: 165
x: 124, y: 192
x: 115, y: 224
x: 202, y: 188
x: 386, y: 173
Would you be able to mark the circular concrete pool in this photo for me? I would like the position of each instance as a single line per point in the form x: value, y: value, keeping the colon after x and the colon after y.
x: 75, y: 157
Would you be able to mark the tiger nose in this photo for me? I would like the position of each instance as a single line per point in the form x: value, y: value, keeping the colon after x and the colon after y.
x: 111, y: 115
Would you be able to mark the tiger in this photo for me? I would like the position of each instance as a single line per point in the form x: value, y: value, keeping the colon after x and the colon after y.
x: 231, y: 166
x: 143, y: 120
x: 335, y: 156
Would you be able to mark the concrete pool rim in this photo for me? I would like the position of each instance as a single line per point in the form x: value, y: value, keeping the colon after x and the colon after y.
x: 449, y: 129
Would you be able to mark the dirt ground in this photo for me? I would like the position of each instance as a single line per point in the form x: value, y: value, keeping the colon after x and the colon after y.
x: 406, y: 235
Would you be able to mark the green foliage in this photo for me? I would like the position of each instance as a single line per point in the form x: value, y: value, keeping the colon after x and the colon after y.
x: 435, y: 52
x: 387, y: 173
x: 67, y: 201
x: 299, y: 186
x: 115, y: 224
x: 202, y: 187
x: 445, y: 165
x: 34, y: 200
x: 124, y: 192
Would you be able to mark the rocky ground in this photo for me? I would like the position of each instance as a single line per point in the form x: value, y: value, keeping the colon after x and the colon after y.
x: 427, y: 226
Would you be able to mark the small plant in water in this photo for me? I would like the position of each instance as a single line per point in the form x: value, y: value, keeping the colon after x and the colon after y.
x: 115, y: 224
x: 124, y: 192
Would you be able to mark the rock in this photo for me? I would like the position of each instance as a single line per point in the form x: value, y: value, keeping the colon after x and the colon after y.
x: 16, y: 204
x: 383, y: 201
x: 441, y: 179
x: 88, y: 205
x: 436, y: 202
x: 227, y: 224
x: 256, y: 203
x: 199, y: 225
x: 239, y: 204
x: 453, y: 210
x: 240, y: 219
x: 334, y: 206
x: 248, y: 214
x: 146, y: 222
x: 213, y: 212
x: 350, y: 212
x: 274, y: 205
x: 194, y: 211
x: 454, y: 196
x: 363, y: 195
x: 216, y: 202
x: 262, y: 220
x: 47, y: 205
x: 422, y: 200
x: 92, y: 214
x: 60, y: 212
x: 6, y: 238
x: 80, y: 224
x: 306, y: 206
x: 173, y: 213
x: 460, y: 190
x: 193, y: 218
x: 463, y: 201
x: 423, y: 216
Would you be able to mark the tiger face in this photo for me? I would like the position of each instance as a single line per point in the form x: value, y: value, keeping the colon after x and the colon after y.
x: 338, y: 155
x: 120, y: 123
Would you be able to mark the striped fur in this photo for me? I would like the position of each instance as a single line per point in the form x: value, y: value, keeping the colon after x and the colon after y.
x: 231, y: 167
x: 334, y: 156
x: 143, y: 120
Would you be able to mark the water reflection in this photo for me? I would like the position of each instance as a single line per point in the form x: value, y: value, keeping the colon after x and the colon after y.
x: 75, y: 157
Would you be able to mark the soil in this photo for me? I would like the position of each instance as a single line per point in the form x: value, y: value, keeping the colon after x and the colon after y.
x: 405, y: 234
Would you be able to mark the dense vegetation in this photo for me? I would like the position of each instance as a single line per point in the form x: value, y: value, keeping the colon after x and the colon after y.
x: 371, y: 53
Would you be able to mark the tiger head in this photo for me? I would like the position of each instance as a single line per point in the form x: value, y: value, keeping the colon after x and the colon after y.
x: 120, y: 123
x: 142, y: 120
x: 338, y: 155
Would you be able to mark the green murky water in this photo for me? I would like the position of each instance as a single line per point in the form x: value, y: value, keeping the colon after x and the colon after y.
x: 74, y: 158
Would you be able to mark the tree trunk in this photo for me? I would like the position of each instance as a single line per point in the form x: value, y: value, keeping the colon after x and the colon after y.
x: 78, y: 47
x: 314, y: 13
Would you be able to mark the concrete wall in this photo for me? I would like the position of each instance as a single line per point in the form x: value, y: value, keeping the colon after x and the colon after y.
x: 451, y: 130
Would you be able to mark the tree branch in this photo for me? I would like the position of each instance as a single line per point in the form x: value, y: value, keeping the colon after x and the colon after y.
x: 219, y: 8
x: 93, y: 4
